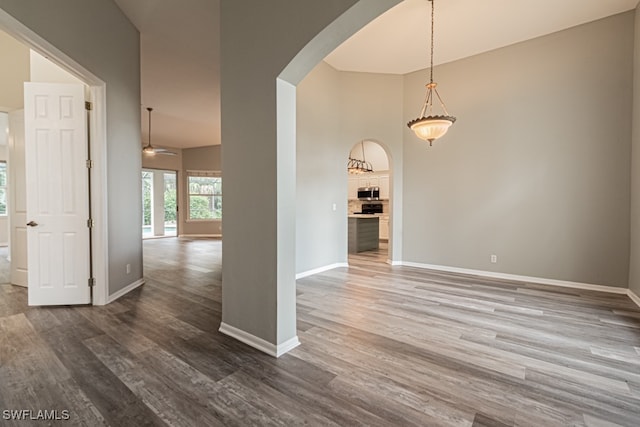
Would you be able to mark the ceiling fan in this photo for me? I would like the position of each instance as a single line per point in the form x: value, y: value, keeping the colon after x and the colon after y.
x: 150, y: 149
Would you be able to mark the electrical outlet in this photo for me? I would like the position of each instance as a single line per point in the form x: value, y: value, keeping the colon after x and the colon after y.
x: 494, y: 259
x: 128, y: 268
x: 334, y: 207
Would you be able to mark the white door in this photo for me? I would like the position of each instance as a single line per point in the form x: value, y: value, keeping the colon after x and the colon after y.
x: 17, y: 199
x: 57, y: 194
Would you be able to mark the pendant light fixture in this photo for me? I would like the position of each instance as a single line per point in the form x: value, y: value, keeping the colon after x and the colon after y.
x: 357, y: 166
x: 431, y: 127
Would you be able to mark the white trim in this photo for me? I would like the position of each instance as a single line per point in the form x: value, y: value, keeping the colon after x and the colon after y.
x: 392, y: 262
x: 125, y: 290
x: 287, y: 346
x: 99, y: 203
x: 321, y: 269
x: 530, y: 279
x: 200, y: 235
x: 635, y: 298
x: 259, y: 343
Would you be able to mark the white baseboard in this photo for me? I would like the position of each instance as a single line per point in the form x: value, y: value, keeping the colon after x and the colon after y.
x: 530, y: 279
x: 200, y: 235
x: 635, y: 298
x: 287, y: 346
x: 321, y: 270
x: 259, y: 343
x: 392, y: 263
x: 125, y: 290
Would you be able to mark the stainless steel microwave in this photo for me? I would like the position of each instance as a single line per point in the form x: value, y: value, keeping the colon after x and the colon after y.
x: 369, y: 193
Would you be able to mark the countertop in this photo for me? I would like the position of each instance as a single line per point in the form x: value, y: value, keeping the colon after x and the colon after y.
x: 368, y: 215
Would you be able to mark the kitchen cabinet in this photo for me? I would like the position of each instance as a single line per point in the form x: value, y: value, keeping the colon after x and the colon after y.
x: 384, y: 187
x: 352, y: 191
x: 369, y: 181
x: 363, y: 233
x: 384, y: 228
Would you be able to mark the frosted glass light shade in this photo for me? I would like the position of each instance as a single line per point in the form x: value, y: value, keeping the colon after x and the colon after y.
x: 432, y: 127
x: 148, y: 149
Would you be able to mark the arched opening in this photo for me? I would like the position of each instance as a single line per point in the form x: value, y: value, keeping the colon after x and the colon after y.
x: 369, y: 200
x: 259, y: 303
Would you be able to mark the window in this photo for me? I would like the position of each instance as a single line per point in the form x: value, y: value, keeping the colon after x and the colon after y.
x: 205, y: 195
x: 3, y: 188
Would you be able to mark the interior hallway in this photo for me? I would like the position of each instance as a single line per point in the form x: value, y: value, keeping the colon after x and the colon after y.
x: 381, y: 345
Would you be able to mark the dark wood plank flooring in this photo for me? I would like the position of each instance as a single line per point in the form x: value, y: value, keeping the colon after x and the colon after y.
x: 380, y: 346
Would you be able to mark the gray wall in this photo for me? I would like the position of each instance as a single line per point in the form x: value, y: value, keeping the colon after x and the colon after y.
x: 99, y: 37
x: 335, y: 111
x: 207, y: 158
x: 258, y: 133
x: 634, y: 268
x: 320, y: 174
x: 536, y: 170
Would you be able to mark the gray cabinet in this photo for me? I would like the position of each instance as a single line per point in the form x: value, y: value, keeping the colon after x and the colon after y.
x: 363, y: 234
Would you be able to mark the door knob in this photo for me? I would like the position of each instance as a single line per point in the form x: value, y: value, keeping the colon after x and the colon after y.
x: 32, y: 224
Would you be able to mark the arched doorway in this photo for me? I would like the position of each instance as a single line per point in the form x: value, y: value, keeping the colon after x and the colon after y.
x: 259, y: 135
x: 369, y: 201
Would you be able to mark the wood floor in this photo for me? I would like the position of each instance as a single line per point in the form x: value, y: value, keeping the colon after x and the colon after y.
x: 381, y: 346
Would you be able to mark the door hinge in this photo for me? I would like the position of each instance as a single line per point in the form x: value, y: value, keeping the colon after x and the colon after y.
x: 89, y: 164
x: 90, y: 223
x: 88, y: 106
x: 92, y: 282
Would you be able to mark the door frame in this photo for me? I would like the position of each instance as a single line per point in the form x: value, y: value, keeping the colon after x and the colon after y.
x: 98, y: 145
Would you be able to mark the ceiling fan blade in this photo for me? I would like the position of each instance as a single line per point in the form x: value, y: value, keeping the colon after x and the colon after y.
x: 164, y: 151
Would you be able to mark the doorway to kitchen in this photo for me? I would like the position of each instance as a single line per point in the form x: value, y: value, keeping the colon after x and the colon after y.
x: 159, y: 203
x: 369, y: 202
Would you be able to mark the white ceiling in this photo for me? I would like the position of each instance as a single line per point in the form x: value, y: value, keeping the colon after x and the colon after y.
x: 180, y: 49
x: 397, y: 42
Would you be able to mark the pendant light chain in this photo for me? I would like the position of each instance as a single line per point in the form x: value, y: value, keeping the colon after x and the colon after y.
x: 432, y: 32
